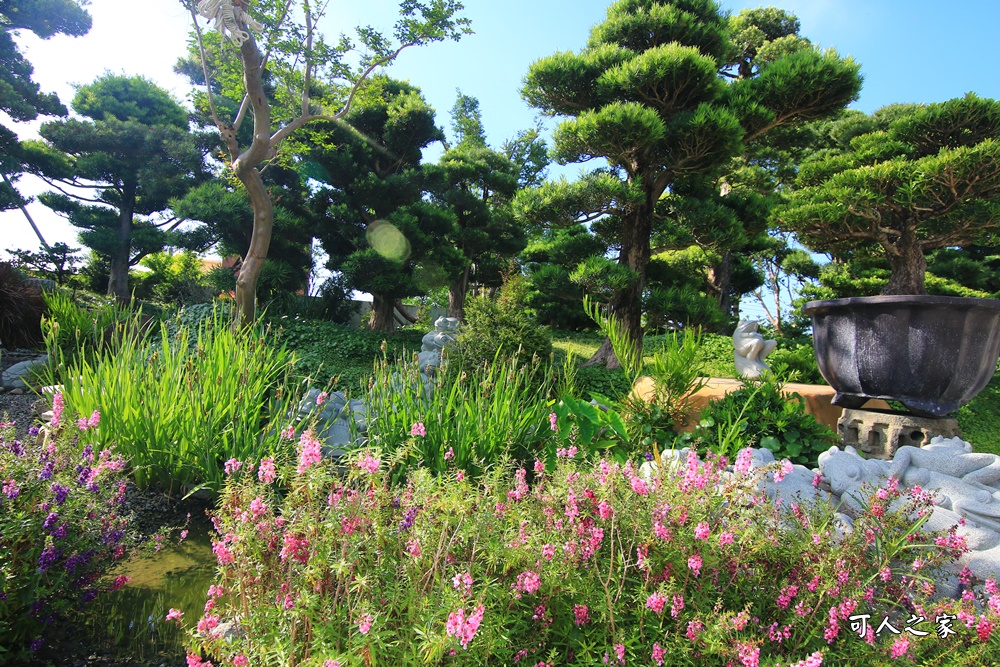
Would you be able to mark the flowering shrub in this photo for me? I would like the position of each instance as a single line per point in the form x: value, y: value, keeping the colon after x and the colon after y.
x: 60, y: 529
x: 592, y: 564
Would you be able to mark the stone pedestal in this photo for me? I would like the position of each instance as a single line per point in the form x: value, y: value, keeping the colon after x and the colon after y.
x: 879, y: 433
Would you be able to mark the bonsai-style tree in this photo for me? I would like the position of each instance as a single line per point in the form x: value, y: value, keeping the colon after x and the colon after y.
x: 649, y: 95
x: 296, y: 79
x: 908, y: 180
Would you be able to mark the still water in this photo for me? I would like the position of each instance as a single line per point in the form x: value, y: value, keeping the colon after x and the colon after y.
x: 177, y: 576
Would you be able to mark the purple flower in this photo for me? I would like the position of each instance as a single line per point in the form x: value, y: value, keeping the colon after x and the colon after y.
x: 11, y: 489
x: 60, y: 492
x: 15, y: 448
x: 33, y: 431
x: 649, y: 456
x: 50, y: 521
x: 60, y: 532
x: 88, y: 454
x: 36, y: 644
x: 407, y: 521
x: 47, y: 471
x: 49, y: 556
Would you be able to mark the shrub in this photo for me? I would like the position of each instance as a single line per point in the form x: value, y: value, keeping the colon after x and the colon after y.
x: 180, y: 408
x: 593, y: 564
x: 759, y: 415
x: 60, y: 529
x: 75, y: 329
x: 21, y: 310
x: 503, y: 326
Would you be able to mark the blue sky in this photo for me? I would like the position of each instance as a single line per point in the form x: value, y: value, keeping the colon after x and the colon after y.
x: 909, y: 50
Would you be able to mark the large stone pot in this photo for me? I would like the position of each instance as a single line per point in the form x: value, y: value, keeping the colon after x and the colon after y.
x: 932, y: 353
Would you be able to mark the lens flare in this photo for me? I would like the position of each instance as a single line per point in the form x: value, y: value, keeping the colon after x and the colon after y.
x: 388, y: 241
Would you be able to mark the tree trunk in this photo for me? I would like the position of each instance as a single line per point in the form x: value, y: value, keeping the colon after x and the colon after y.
x: 260, y: 241
x: 626, y: 304
x: 908, y: 265
x: 457, y: 292
x: 720, y: 278
x: 118, y: 281
x: 381, y: 318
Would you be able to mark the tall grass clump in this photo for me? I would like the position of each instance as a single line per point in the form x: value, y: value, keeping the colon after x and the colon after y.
x: 469, y: 419
x: 73, y: 328
x: 180, y: 405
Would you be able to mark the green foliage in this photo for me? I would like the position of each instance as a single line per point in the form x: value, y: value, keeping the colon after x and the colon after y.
x: 500, y: 411
x: 21, y: 310
x: 179, y: 407
x: 502, y: 328
x: 438, y: 570
x: 76, y: 329
x: 759, y: 415
x: 174, y: 278
x: 601, y: 381
x: 56, y: 262
x: 20, y: 97
x: 61, y: 529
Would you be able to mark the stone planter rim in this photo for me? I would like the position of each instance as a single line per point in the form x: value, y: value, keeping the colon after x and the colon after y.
x: 928, y: 299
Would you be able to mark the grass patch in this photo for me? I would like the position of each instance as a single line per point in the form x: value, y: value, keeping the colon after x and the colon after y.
x: 980, y: 419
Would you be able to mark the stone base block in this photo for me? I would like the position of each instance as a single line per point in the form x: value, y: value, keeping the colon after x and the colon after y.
x: 879, y: 433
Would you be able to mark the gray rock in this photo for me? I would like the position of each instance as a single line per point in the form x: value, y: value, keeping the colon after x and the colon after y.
x: 18, y: 375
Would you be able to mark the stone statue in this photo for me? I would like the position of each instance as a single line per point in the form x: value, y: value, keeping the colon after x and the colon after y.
x: 966, y: 484
x: 750, y: 349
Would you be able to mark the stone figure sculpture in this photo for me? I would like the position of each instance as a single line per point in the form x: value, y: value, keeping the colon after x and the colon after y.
x: 750, y: 349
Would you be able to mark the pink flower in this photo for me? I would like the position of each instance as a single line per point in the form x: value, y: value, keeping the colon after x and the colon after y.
x: 184, y: 535
x: 528, y: 582
x: 266, y: 472
x: 658, y: 653
x: 413, y: 548
x: 539, y: 466
x: 232, y: 465
x: 748, y: 654
x: 81, y: 424
x: 786, y: 468
x: 196, y: 661
x: 310, y: 451
x: 57, y: 410
x: 365, y: 624
x: 817, y: 479
x: 95, y: 419
x: 656, y: 602
x: 581, y: 615
x: 418, y: 429
x: 288, y: 433
x: 369, y: 464
x: 677, y: 605
x: 450, y: 454
x: 460, y: 475
x: 725, y: 538
x: 815, y: 660
x: 548, y: 551
x: 331, y: 663
x: 175, y: 615
x: 321, y: 399
x: 701, y: 531
x: 462, y: 628
x: 744, y: 461
x: 899, y: 647
x: 604, y: 509
x: 694, y: 564
x: 552, y: 421
x: 463, y: 582
x: 694, y: 629
x: 639, y: 486
x: 241, y: 661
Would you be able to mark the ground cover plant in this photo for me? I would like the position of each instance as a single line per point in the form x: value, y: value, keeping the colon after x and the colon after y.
x: 61, y: 527
x: 593, y: 563
x: 182, y: 403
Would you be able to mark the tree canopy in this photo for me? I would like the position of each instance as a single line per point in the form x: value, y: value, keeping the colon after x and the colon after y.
x: 900, y: 183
